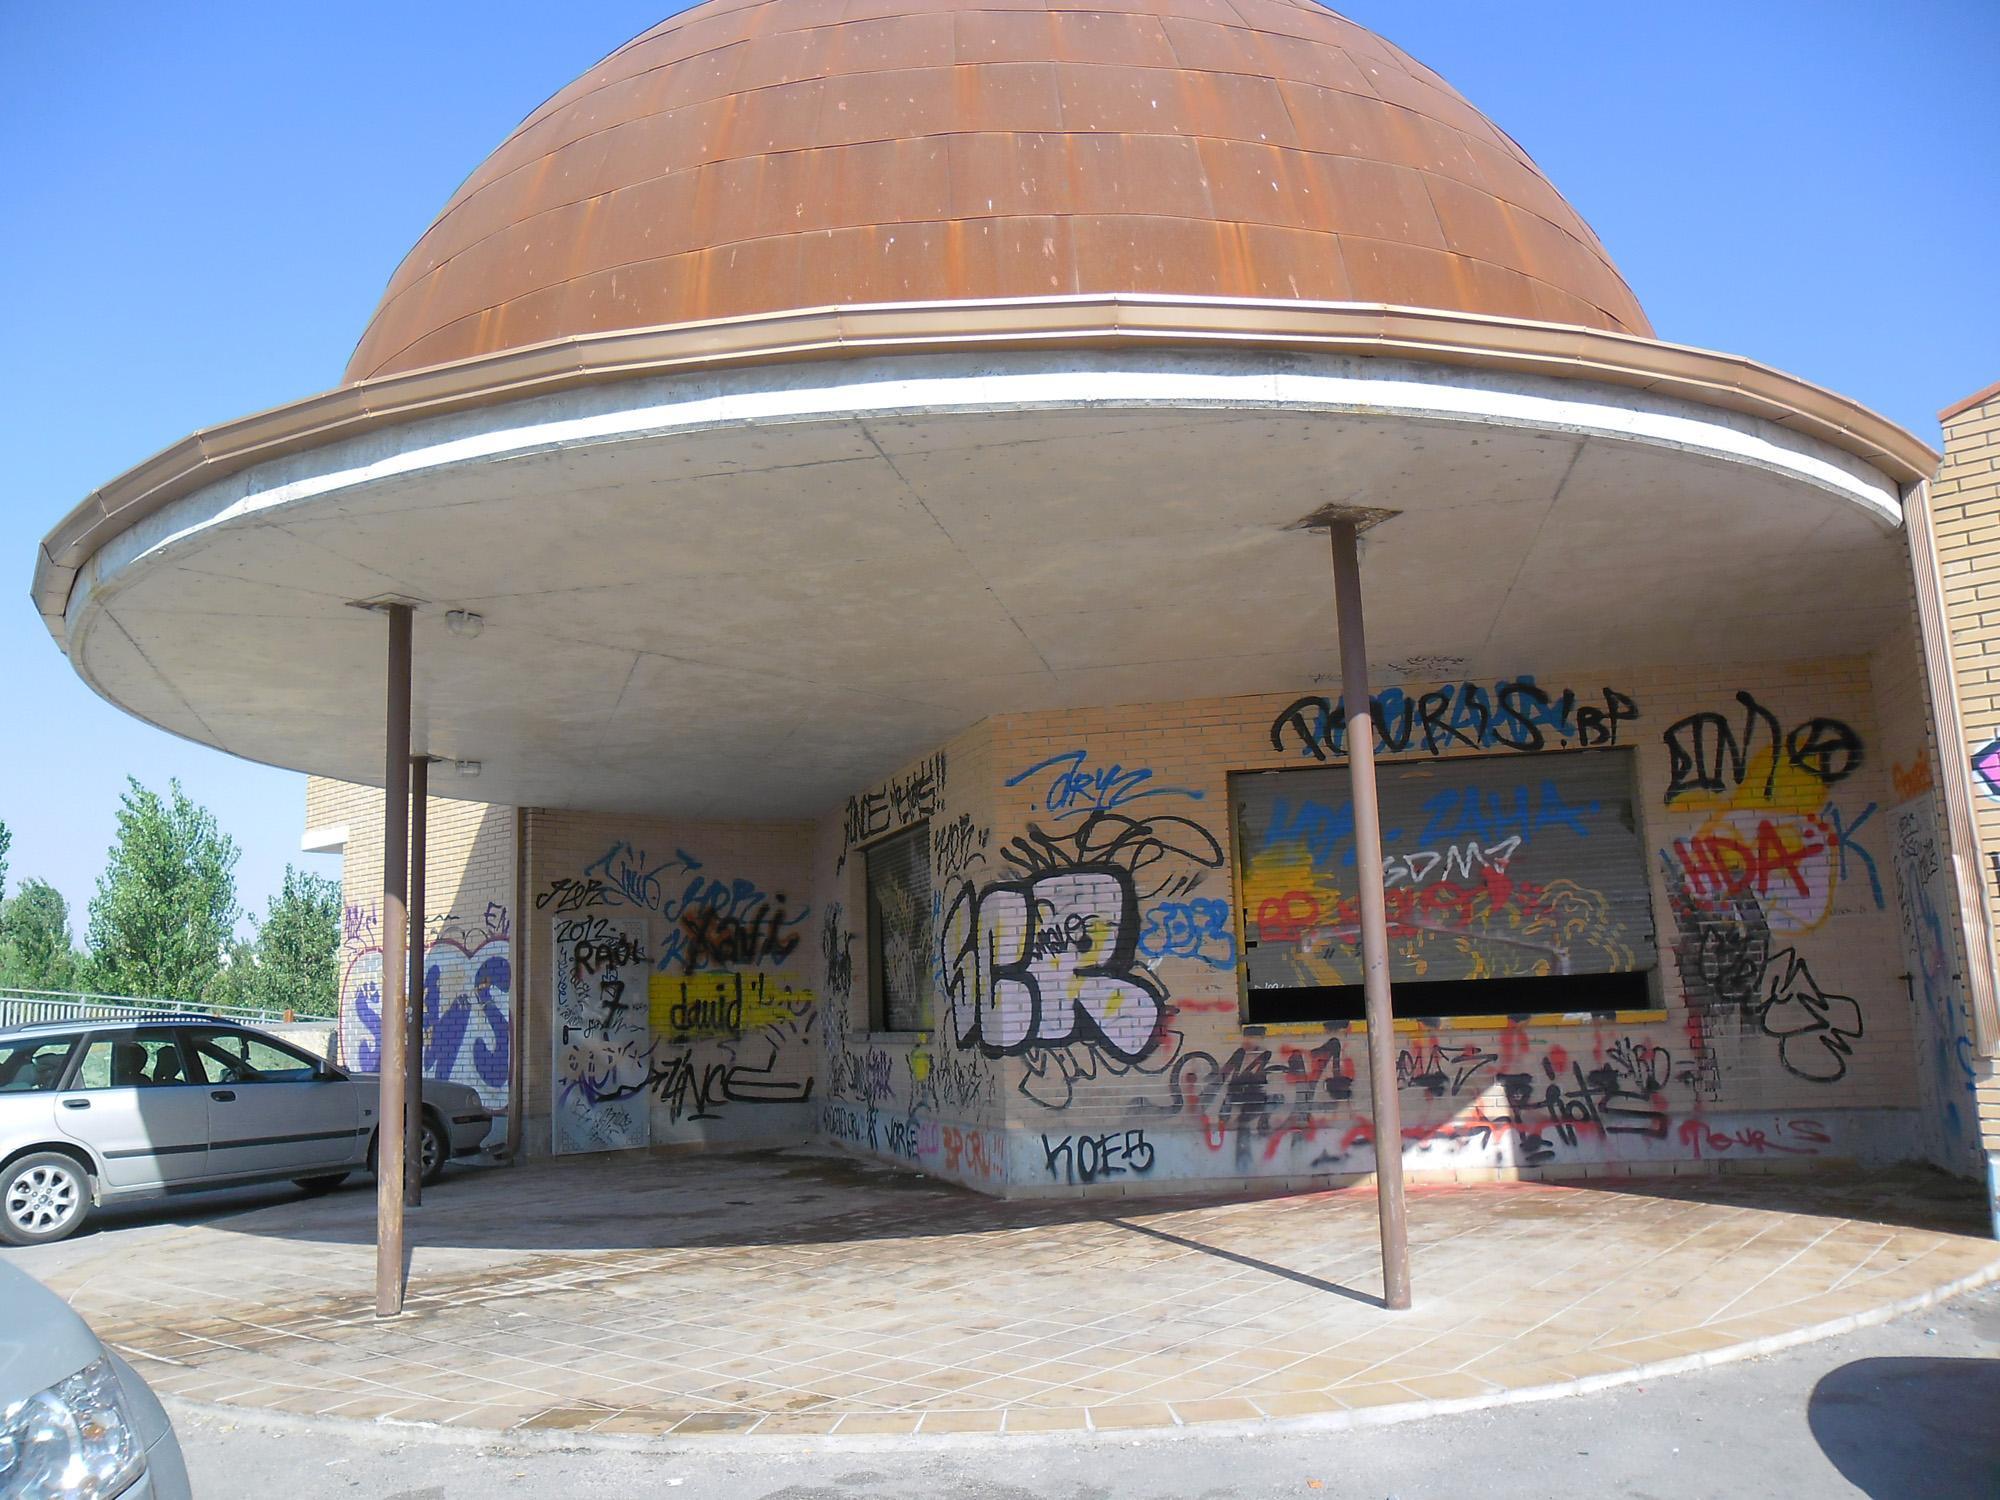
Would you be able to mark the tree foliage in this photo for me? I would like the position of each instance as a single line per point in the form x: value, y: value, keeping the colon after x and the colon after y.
x: 166, y: 903
x: 293, y: 965
x: 35, y: 949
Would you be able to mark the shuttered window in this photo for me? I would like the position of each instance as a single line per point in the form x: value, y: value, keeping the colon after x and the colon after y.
x: 898, y: 872
x: 1514, y: 884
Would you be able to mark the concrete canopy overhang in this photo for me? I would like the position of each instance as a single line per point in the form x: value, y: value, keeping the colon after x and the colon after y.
x: 748, y: 582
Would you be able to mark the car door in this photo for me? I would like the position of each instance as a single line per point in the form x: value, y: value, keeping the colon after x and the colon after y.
x: 129, y: 1100
x: 272, y: 1109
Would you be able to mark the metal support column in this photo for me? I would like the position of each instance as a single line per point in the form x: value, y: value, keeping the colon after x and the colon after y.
x: 413, y: 1058
x: 395, y: 1011
x: 1374, y: 919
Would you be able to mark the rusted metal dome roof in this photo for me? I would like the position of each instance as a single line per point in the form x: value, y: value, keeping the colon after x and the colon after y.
x: 753, y: 156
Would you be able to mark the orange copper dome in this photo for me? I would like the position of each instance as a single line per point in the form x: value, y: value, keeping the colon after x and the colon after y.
x: 769, y: 155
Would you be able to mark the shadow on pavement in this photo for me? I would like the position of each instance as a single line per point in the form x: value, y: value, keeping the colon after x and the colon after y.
x: 1902, y: 1427
x: 1914, y: 1197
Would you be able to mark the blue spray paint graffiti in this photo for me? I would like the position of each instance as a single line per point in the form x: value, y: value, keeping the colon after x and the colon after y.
x: 1077, y: 787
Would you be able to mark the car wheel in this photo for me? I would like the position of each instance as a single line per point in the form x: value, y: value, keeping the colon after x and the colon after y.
x: 437, y: 1150
x: 44, y: 1197
x: 315, y: 1186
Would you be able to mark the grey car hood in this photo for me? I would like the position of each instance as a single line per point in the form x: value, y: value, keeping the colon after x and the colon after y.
x: 41, y: 1340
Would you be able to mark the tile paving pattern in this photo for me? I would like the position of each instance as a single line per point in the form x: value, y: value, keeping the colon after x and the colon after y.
x: 794, y: 1294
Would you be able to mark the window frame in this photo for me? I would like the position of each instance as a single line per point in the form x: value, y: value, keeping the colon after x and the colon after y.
x: 877, y: 1018
x: 1652, y: 972
x: 72, y: 1042
x: 190, y: 1047
x: 73, y: 1073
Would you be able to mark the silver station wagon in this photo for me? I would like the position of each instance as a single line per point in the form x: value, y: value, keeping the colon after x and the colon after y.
x: 96, y: 1112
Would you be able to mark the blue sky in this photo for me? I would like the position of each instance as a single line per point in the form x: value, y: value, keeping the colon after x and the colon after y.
x: 207, y: 200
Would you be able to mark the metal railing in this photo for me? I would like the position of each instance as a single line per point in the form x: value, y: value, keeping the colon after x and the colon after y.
x: 25, y: 1007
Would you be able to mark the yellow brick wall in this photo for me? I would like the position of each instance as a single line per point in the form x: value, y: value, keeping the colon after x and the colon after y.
x: 469, y: 898
x: 1212, y: 1099
x: 1965, y: 504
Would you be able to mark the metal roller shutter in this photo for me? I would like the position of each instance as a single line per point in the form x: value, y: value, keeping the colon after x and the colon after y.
x: 1497, y: 867
x: 899, y: 930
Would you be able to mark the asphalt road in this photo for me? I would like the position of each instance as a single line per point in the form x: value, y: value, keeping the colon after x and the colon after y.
x: 1908, y: 1409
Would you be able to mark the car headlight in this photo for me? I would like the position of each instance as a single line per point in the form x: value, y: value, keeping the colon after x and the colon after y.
x: 74, y: 1441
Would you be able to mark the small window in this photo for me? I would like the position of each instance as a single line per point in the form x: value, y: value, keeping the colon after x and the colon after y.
x: 233, y: 1057
x: 131, y: 1060
x: 898, y: 872
x: 33, y: 1066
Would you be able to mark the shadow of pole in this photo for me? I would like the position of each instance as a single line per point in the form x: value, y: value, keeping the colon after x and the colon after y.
x: 1253, y: 1263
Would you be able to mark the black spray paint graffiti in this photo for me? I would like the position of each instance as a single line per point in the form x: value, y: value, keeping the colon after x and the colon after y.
x: 1622, y: 1097
x: 1515, y: 715
x: 1257, y: 1095
x: 1088, y: 1158
x: 695, y: 1081
x: 715, y: 937
x: 902, y: 802
x: 1048, y: 959
x: 947, y: 1079
x: 957, y: 846
x: 1726, y: 962
x: 1723, y: 942
x: 1439, y: 1071
x: 568, y: 895
x: 836, y: 950
x: 713, y: 922
x: 1815, y: 1030
x: 1706, y: 752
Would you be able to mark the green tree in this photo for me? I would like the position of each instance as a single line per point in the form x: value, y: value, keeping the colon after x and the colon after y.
x: 296, y: 959
x: 166, y: 902
x: 35, y: 952
x: 6, y: 843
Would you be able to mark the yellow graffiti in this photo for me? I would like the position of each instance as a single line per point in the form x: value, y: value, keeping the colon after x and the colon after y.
x: 691, y: 1006
x: 1782, y: 848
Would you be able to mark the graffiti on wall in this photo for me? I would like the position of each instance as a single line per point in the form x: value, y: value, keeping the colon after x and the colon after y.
x: 468, y: 986
x: 598, y: 1031
x: 1986, y: 768
x: 1540, y: 1109
x: 903, y: 800
x: 1714, y: 752
x: 1471, y: 891
x: 1070, y: 786
x: 1912, y: 780
x: 1514, y: 714
x: 1044, y: 964
x: 709, y: 921
x: 1259, y: 1097
x: 1944, y: 1023
x: 1767, y: 864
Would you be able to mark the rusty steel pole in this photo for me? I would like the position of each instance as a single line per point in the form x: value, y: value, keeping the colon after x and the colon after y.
x: 413, y: 1056
x: 394, y: 1011
x: 1374, y: 919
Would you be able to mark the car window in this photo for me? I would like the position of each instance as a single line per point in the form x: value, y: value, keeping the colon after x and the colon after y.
x: 33, y: 1065
x: 235, y: 1057
x: 131, y: 1060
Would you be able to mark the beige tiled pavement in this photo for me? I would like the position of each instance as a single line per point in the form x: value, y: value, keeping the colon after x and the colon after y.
x: 778, y: 1294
